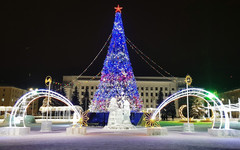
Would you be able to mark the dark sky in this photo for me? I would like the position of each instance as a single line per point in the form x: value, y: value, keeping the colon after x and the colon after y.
x: 57, y: 38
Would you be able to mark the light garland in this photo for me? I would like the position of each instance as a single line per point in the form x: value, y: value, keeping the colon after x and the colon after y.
x: 139, y: 51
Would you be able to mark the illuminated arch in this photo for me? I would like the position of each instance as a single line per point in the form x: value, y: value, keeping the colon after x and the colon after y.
x: 20, y: 108
x: 210, y: 98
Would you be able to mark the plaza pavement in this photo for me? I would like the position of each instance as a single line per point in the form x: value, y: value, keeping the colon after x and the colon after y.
x: 98, y: 138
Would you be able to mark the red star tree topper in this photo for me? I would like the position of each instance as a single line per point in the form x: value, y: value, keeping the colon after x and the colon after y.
x: 118, y: 9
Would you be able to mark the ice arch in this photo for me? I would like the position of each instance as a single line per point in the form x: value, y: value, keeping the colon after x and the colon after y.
x: 20, y: 108
x: 210, y: 98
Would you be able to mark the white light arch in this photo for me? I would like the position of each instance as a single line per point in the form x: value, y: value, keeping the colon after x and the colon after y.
x: 20, y: 108
x: 207, y: 96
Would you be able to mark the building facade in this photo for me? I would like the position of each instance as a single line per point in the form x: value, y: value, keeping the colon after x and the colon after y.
x: 148, y: 87
x: 232, y: 95
x: 9, y: 95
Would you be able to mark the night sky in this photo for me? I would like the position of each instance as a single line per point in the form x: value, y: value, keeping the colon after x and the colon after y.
x: 57, y: 38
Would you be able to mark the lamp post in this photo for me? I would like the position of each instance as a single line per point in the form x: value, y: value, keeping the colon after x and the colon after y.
x: 48, y: 81
x: 188, y: 81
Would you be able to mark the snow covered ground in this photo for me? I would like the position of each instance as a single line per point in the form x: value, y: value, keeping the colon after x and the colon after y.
x: 98, y: 138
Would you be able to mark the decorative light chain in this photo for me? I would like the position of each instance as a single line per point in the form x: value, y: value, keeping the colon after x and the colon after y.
x: 135, y: 48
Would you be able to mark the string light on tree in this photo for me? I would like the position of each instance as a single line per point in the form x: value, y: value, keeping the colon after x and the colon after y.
x: 117, y: 74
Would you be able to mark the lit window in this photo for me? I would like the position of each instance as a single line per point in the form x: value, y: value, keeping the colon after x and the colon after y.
x: 3, y: 99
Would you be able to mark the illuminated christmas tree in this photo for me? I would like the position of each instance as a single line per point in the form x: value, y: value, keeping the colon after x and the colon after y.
x: 117, y: 78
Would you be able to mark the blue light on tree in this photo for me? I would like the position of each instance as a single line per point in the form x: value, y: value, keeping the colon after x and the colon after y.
x: 117, y: 76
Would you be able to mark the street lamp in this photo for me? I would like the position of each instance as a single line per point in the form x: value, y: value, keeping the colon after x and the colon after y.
x: 48, y: 81
x: 188, y: 81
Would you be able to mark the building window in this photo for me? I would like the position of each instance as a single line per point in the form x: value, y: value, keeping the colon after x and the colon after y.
x: 151, y: 94
x: 91, y: 87
x: 12, y: 100
x: 146, y: 100
x: 156, y: 88
x: 82, y: 87
x: 146, y: 106
x: 141, y: 94
x: 141, y: 88
x: 87, y: 87
x: 91, y: 93
x: 82, y: 93
x: 3, y: 90
x: 3, y: 95
x: 165, y: 88
x: 2, y: 99
x: 151, y: 88
x: 96, y: 87
x: 151, y: 100
x: 146, y: 88
x: 156, y: 94
x: 151, y: 106
x: 146, y: 94
x: 172, y: 89
x: 137, y: 88
x: 161, y: 88
x: 166, y: 94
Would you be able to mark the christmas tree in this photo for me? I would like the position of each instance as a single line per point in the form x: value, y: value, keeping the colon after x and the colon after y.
x: 117, y: 78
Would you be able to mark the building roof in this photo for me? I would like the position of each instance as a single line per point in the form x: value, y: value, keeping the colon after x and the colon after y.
x: 138, y: 78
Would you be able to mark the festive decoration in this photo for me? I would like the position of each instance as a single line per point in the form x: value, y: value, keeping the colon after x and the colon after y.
x: 84, y: 119
x: 117, y: 74
x: 214, y: 102
x: 181, y: 113
x: 58, y: 83
x: 149, y: 121
x: 188, y: 80
x: 141, y: 54
x: 118, y: 9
